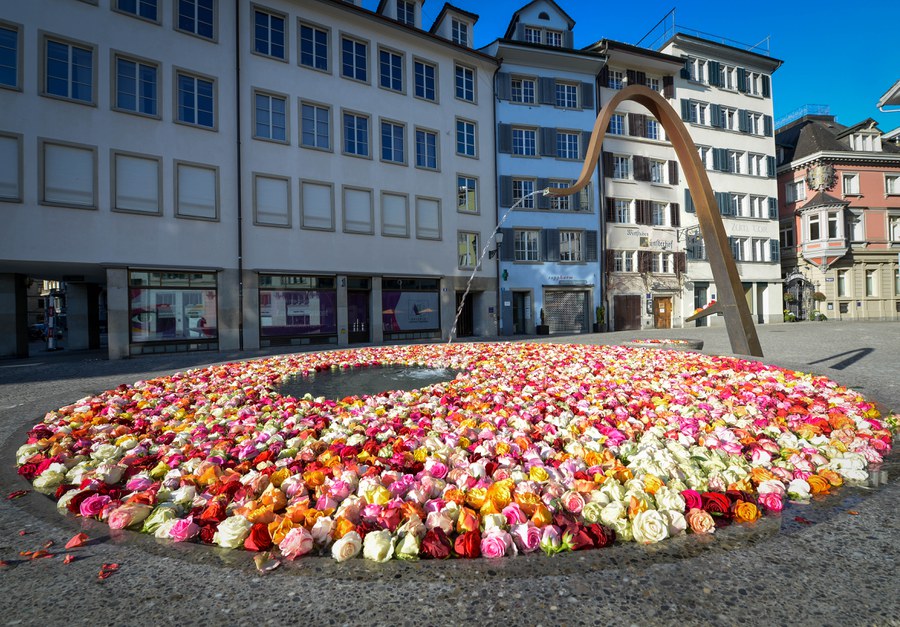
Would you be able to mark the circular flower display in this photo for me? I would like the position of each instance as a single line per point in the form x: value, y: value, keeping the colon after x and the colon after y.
x: 532, y: 446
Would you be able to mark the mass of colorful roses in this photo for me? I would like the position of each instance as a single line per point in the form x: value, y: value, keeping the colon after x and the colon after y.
x: 659, y: 341
x: 531, y: 447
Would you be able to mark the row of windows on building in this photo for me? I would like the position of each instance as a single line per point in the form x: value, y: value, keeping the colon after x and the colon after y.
x: 619, y: 78
x: 745, y: 249
x: 795, y: 191
x: 523, y: 193
x: 871, y: 282
x: 847, y: 224
x: 726, y: 76
x: 537, y: 245
x: 640, y: 168
x: 527, y: 141
x: 719, y: 116
x: 739, y: 205
x: 533, y: 90
x: 643, y: 261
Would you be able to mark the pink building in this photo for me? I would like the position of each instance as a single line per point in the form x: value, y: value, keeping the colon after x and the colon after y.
x: 839, y: 209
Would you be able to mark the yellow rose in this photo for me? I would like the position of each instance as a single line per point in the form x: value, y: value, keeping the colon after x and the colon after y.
x: 746, y: 512
x: 538, y: 473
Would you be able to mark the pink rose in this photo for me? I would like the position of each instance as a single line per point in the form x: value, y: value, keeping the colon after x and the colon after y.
x: 127, y: 515
x: 772, y: 501
x: 514, y: 514
x: 296, y: 542
x: 371, y: 512
x: 760, y: 456
x: 436, y: 469
x: 93, y: 505
x: 138, y: 483
x: 184, y: 529
x: 339, y: 490
x: 692, y: 499
x: 573, y: 502
x: 325, y: 502
x: 495, y: 543
x: 526, y: 536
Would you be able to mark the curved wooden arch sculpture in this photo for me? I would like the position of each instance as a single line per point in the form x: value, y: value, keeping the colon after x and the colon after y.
x: 731, y: 302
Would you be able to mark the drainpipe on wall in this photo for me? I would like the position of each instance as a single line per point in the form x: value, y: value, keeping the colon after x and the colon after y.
x: 499, y: 314
x: 240, y: 172
x: 601, y: 253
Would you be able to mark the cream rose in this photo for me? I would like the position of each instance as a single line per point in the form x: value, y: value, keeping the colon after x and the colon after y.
x: 613, y: 512
x: 232, y: 532
x: 650, y: 527
x: 346, y: 547
x: 378, y: 546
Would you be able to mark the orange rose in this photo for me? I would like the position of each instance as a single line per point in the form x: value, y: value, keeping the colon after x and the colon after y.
x: 818, y: 485
x: 476, y: 497
x: 310, y: 517
x: 584, y: 486
x: 745, y: 512
x: 278, y: 477
x: 273, y: 498
x: 342, y: 527
x: 759, y: 474
x: 832, y: 477
x: 467, y: 521
x: 500, y: 494
x: 456, y: 495
x: 700, y: 521
x: 279, y: 527
x: 635, y: 507
x: 542, y: 516
x: 528, y: 502
x: 314, y: 478
x: 652, y: 483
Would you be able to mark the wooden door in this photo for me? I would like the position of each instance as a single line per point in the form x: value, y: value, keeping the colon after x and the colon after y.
x: 662, y: 312
x: 626, y: 313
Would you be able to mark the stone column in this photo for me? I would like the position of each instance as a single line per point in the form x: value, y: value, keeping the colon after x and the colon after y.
x: 229, y: 309
x: 13, y: 316
x: 375, y: 312
x: 77, y: 318
x: 251, y: 310
x: 117, y: 318
x: 342, y: 313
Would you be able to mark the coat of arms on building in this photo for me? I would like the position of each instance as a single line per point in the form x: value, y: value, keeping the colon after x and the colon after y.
x: 820, y: 177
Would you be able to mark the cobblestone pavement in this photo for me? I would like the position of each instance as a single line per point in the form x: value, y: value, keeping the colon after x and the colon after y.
x: 830, y: 567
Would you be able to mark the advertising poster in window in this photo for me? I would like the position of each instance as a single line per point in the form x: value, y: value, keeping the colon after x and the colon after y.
x: 410, y: 311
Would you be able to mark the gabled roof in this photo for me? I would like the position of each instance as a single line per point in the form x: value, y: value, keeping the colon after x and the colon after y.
x: 818, y: 133
x: 511, y: 29
x: 449, y: 8
x: 866, y: 124
x: 824, y: 200
x: 891, y: 97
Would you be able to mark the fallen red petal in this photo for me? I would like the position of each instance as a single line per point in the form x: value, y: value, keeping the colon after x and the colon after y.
x: 855, y: 513
x: 77, y: 540
x: 110, y: 567
x: 17, y: 494
x: 48, y: 544
x: 802, y: 520
x: 103, y: 574
x: 39, y: 554
x: 69, y: 559
x: 22, y: 532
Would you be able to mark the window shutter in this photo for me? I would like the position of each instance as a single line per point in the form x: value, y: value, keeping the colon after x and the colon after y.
x: 548, y: 142
x: 715, y: 115
x: 636, y: 125
x: 608, y: 165
x: 713, y: 70
x: 604, y: 76
x: 742, y: 79
x: 585, y: 140
x: 773, y: 208
x: 674, y: 214
x: 767, y: 125
x: 643, y: 212
x: 770, y: 166
x: 504, y: 86
x: 506, y: 191
x: 680, y: 263
x: 686, y: 110
x: 547, y: 90
x: 590, y: 245
x: 766, y: 87
x: 587, y: 95
x: 543, y: 202
x: 508, y: 246
x: 640, y: 77
x: 631, y: 77
x: 644, y: 261
x: 520, y: 32
x: 669, y: 87
x: 673, y: 172
x: 720, y: 159
x: 611, y: 210
x: 504, y: 138
x: 685, y: 71
x: 743, y: 121
x: 722, y: 202
x: 774, y: 251
x: 688, y: 201
x: 585, y: 198
x: 568, y: 39
x: 641, y: 168
x: 551, y: 244
x: 610, y: 260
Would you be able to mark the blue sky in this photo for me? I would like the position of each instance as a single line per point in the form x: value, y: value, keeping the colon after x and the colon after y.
x: 841, y: 54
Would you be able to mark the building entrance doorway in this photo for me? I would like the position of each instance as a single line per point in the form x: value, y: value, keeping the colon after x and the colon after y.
x: 521, y: 304
x: 627, y: 313
x: 465, y: 326
x: 662, y: 312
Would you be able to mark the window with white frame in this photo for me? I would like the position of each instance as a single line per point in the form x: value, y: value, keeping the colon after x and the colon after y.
x: 406, y: 12
x: 532, y: 35
x: 621, y: 167
x: 892, y: 184
x: 197, y: 17
x: 834, y: 222
x: 467, y: 194
x: 525, y: 245
x: 465, y: 83
x: 356, y: 134
x: 522, y: 90
x: 426, y: 80
x: 727, y: 76
x: 272, y: 200
x: 814, y: 227
x: 10, y: 167
x: 850, y: 184
x: 657, y: 171
x: 617, y: 124
x: 738, y: 203
x: 137, y: 86
x: 390, y: 70
x: 268, y: 34
x: 354, y: 59
x: 566, y: 95
x: 759, y: 207
x: 146, y: 9
x: 754, y: 123
x: 567, y: 145
x: 571, y: 246
x: 697, y: 68
x: 872, y: 282
x: 270, y: 117
x: 740, y: 248
x: 459, y: 32
x: 316, y: 205
x: 894, y: 228
x: 394, y: 214
x: 658, y: 212
x: 393, y: 142
x: 729, y: 118
x: 196, y: 100
x: 616, y: 79
x: 467, y: 247
x: 623, y: 213
x: 137, y: 182
x: 553, y: 38
x: 865, y: 142
x: 753, y: 83
x: 699, y: 112
x: 465, y: 138
x: 652, y: 129
x: 197, y: 191
x: 757, y: 164
x: 69, y: 175
x: 428, y: 218
x: 661, y: 263
x: 426, y: 149
x: 736, y: 161
x: 524, y: 142
x: 69, y: 70
x: 316, y: 123
x: 522, y: 190
x: 625, y: 261
x: 10, y: 56
x: 313, y: 47
x: 653, y: 83
x: 560, y: 203
x: 786, y: 234
x: 359, y: 210
x: 795, y: 191
x: 843, y: 283
x: 760, y: 249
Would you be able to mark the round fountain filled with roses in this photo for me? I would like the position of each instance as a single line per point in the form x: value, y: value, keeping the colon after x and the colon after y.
x: 531, y: 447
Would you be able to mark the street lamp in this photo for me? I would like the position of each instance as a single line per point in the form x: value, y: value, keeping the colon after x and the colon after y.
x: 498, y: 239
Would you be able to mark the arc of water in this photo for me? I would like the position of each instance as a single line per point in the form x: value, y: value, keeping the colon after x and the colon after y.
x: 484, y: 252
x: 731, y: 302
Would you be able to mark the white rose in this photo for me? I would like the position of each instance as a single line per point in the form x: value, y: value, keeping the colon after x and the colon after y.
x: 669, y: 499
x: 104, y: 452
x: 677, y: 522
x: 50, y: 479
x: 162, y: 513
x: 650, y: 527
x: 109, y: 473
x: 493, y: 521
x: 163, y: 531
x: 613, y: 490
x: 63, y: 502
x: 771, y: 485
x: 346, y: 547
x: 613, y: 512
x: 408, y: 547
x: 26, y: 451
x: 321, y: 530
x: 378, y: 546
x: 798, y: 489
x: 232, y: 532
x: 623, y: 529
x: 184, y: 495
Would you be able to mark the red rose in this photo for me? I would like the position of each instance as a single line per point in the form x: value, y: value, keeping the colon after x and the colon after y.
x: 603, y: 536
x: 28, y: 471
x: 716, y: 504
x: 259, y: 538
x: 207, y: 532
x: 581, y: 539
x: 468, y: 544
x: 214, y: 512
x: 390, y: 518
x: 436, y: 544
